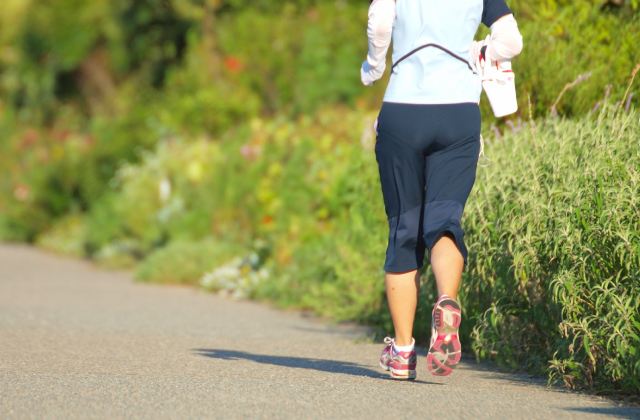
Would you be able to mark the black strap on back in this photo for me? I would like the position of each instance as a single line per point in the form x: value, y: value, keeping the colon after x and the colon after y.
x: 436, y: 46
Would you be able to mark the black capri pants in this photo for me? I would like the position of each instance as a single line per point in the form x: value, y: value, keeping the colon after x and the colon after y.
x: 427, y: 156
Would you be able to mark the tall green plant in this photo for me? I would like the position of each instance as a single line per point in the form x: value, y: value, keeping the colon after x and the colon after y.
x: 555, y: 250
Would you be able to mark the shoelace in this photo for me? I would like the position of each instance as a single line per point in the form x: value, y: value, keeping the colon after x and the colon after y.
x: 390, y: 342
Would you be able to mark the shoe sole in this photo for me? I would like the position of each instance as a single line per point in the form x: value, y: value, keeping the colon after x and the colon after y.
x: 402, y: 374
x: 399, y: 374
x: 444, y: 356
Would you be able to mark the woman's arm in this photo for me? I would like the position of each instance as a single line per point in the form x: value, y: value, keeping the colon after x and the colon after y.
x: 381, y: 16
x: 506, y: 41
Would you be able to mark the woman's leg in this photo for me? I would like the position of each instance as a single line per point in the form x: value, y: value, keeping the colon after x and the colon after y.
x: 450, y: 175
x: 402, y: 288
x: 447, y: 264
x: 402, y: 294
x: 402, y: 176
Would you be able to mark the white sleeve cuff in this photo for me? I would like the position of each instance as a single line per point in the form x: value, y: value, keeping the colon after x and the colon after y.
x: 365, y: 74
x: 370, y: 74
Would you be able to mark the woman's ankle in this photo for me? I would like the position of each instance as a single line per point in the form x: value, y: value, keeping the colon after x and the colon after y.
x: 404, y: 344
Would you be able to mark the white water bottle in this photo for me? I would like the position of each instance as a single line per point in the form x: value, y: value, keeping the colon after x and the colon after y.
x: 499, y: 83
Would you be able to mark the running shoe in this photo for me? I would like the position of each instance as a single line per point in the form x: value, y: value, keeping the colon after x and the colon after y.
x: 401, y: 365
x: 444, y: 351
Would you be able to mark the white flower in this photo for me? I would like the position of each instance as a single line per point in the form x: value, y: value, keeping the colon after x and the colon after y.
x: 238, y: 278
x: 164, y: 189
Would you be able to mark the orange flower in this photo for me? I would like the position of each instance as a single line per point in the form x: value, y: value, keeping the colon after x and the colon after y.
x: 233, y: 64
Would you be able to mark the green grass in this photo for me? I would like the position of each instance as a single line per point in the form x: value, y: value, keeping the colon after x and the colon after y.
x: 554, y: 236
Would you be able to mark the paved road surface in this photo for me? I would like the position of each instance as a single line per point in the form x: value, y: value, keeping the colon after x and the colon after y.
x: 79, y: 343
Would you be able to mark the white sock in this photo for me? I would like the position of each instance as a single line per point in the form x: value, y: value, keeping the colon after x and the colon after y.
x: 410, y: 347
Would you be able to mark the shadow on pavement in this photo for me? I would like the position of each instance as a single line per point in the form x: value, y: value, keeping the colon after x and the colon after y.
x: 332, y: 366
x: 616, y: 412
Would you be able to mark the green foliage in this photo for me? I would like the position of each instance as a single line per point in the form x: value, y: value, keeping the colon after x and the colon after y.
x: 555, y: 252
x: 200, y: 104
x: 66, y: 237
x: 271, y: 56
x: 60, y: 171
x: 157, y: 200
x: 563, y: 40
x: 301, y: 72
x: 185, y: 262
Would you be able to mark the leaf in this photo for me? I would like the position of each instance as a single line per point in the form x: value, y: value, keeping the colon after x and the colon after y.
x: 587, y: 349
x: 620, y: 347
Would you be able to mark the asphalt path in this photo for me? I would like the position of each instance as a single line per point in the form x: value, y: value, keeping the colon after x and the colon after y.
x: 80, y: 343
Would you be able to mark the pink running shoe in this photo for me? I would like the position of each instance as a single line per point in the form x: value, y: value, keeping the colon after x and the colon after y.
x: 401, y: 365
x: 444, y: 351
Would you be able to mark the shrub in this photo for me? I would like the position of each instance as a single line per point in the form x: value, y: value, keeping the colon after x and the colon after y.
x: 565, y: 39
x: 157, y: 199
x: 553, y: 227
x: 186, y: 262
x: 61, y: 171
x: 66, y: 237
x: 274, y: 56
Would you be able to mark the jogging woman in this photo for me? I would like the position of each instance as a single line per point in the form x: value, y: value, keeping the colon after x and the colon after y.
x: 427, y: 151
